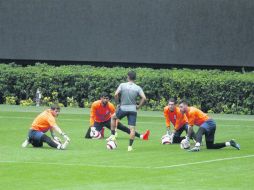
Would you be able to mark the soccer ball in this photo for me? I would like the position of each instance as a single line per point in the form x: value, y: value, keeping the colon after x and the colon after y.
x: 166, y: 139
x: 185, y: 144
x: 95, y: 134
x: 111, y: 145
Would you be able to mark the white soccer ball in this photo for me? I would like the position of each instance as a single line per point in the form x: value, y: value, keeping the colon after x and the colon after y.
x: 166, y: 139
x: 95, y: 134
x: 185, y: 144
x: 111, y: 145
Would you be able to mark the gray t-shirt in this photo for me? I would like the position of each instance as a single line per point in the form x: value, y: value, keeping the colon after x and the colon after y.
x: 129, y: 92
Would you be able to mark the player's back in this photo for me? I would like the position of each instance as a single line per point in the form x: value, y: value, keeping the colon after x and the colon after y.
x: 43, y: 121
x: 196, y: 116
x: 129, y: 92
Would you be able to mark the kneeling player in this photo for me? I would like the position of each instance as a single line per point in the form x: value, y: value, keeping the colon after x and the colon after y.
x: 207, y: 127
x: 42, y: 123
x: 180, y: 122
x: 101, y: 112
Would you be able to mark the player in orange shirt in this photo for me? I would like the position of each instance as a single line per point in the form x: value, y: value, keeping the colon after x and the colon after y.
x: 101, y: 112
x: 173, y: 115
x: 41, y: 124
x: 207, y: 127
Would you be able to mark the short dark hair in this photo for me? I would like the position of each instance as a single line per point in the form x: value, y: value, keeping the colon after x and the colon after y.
x: 55, y: 107
x: 104, y: 94
x: 183, y: 101
x: 172, y: 100
x: 132, y: 75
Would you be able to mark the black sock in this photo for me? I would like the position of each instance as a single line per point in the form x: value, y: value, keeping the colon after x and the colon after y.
x: 137, y: 134
x: 131, y: 142
x: 49, y: 141
x: 113, y: 132
x: 123, y: 128
x: 211, y: 145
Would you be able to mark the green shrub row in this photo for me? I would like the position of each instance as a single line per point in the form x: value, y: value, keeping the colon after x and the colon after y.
x: 212, y: 90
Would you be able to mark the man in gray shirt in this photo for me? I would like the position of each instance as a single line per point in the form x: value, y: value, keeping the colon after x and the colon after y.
x: 128, y: 93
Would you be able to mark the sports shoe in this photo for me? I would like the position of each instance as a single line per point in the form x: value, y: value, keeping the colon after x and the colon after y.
x: 234, y: 144
x: 25, y: 143
x: 111, y: 138
x: 194, y: 149
x: 130, y: 148
x: 146, y: 135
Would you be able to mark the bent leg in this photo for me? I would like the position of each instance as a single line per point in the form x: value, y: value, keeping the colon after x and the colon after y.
x: 50, y: 142
x: 125, y: 129
x: 211, y: 145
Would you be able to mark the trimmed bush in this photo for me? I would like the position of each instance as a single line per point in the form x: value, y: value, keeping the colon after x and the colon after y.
x: 212, y: 90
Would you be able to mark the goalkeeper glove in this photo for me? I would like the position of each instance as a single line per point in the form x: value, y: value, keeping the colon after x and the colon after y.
x: 57, y: 139
x: 168, y: 131
x: 66, y: 138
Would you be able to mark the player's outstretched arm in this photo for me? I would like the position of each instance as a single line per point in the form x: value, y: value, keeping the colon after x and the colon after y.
x: 58, y: 130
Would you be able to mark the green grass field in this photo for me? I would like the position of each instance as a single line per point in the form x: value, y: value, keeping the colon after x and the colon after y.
x: 87, y: 164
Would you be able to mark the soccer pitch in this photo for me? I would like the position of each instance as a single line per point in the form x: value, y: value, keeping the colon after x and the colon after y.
x: 87, y: 164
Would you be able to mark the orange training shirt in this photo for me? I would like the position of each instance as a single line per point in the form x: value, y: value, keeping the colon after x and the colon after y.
x: 100, y: 113
x: 196, y: 116
x: 44, y: 121
x: 175, y: 117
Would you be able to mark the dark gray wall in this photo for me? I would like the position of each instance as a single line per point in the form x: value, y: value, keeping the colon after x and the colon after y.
x: 192, y: 32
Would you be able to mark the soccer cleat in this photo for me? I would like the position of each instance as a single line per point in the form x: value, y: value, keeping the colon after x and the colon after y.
x: 111, y: 138
x: 234, y: 144
x: 194, y: 149
x: 130, y: 148
x: 25, y: 143
x: 146, y: 135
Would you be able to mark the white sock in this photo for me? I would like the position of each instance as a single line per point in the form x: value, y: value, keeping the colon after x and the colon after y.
x: 227, y: 143
x: 141, y: 136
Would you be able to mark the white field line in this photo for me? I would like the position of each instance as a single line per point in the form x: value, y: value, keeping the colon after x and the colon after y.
x: 127, y: 167
x: 204, y: 162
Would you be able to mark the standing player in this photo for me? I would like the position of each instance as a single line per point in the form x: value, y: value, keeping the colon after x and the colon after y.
x: 173, y: 115
x: 207, y: 127
x: 101, y: 112
x: 129, y: 92
x: 41, y: 124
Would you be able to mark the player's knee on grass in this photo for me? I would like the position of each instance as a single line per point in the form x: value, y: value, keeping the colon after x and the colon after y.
x: 36, y: 143
x: 177, y: 139
x: 209, y: 145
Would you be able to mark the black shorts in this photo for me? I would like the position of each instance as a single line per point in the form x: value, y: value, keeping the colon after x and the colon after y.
x: 99, y: 125
x: 131, y: 116
x: 210, y: 128
x: 35, y: 138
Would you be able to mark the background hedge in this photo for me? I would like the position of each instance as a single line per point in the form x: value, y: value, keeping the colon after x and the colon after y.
x: 211, y: 90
